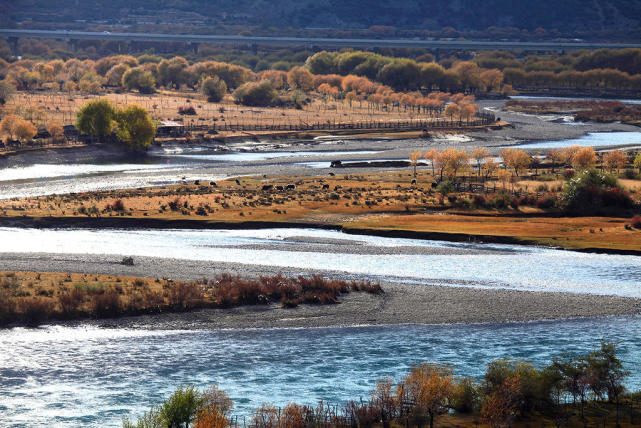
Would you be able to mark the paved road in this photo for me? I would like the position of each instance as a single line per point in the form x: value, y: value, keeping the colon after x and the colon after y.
x: 320, y: 42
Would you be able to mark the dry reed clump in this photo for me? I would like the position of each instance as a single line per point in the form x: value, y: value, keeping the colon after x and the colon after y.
x: 228, y: 290
x: 35, y: 298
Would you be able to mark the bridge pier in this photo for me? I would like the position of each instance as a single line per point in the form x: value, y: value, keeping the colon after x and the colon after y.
x: 13, y: 44
x: 72, y: 45
x: 194, y: 47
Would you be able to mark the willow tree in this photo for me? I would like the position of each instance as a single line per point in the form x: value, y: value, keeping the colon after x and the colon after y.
x: 96, y: 118
x: 135, y: 127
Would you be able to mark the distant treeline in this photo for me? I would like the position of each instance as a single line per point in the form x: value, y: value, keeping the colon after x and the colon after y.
x: 402, y: 69
x: 497, y: 19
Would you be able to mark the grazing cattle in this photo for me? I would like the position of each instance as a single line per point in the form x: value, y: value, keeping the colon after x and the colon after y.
x: 290, y: 187
x: 280, y: 188
x: 413, y: 181
x: 238, y: 182
x: 268, y: 187
x: 325, y: 186
x: 212, y: 183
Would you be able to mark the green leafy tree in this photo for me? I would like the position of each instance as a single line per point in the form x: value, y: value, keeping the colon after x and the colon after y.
x: 637, y: 162
x: 180, y: 409
x: 608, y: 373
x: 135, y: 127
x: 96, y: 118
x: 401, y: 74
x: 322, y: 63
x: 213, y: 88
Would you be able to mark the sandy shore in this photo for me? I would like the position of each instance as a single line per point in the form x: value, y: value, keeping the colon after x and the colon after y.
x: 401, y: 303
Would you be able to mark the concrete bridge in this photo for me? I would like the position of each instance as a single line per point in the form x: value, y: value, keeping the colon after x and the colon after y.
x: 194, y: 40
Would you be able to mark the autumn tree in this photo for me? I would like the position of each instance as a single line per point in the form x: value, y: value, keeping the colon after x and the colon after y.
x: 276, y: 77
x: 6, y: 91
x: 478, y: 154
x: 414, y: 157
x: 300, y: 78
x: 25, y: 130
x: 384, y: 400
x: 516, y: 159
x: 489, y: 167
x: 614, y: 159
x: 554, y: 156
x: 140, y: 79
x: 17, y: 128
x: 452, y: 162
x: 135, y: 127
x: 56, y: 131
x: 115, y: 73
x: 172, y: 71
x: 213, y: 88
x: 583, y: 159
x: 8, y: 125
x: 430, y: 155
x: 452, y: 110
x: 492, y: 80
x: 500, y: 407
x: 430, y: 387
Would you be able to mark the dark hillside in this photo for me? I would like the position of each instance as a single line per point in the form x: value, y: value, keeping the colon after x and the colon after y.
x: 565, y: 16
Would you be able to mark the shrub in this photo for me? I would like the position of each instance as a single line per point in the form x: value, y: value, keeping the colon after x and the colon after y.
x: 118, y: 205
x: 500, y: 201
x: 260, y: 94
x: 545, y: 202
x: 71, y: 301
x: 107, y: 304
x: 188, y: 110
x: 479, y: 201
x: 7, y: 308
x: 35, y: 310
x: 445, y: 187
x: 592, y: 190
x: 213, y: 88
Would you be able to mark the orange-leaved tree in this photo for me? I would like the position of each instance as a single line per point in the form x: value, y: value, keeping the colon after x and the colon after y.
x: 429, y: 386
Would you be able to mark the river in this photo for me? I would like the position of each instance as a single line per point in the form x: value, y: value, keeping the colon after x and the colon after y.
x: 91, y: 377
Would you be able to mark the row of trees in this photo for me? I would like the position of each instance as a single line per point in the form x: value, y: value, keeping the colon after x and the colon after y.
x: 450, y: 162
x: 509, y: 390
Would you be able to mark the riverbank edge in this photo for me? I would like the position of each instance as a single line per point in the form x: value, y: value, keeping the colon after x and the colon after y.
x: 155, y: 223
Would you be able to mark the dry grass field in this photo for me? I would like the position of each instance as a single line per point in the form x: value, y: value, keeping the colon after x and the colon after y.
x: 384, y: 201
x: 43, y: 108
